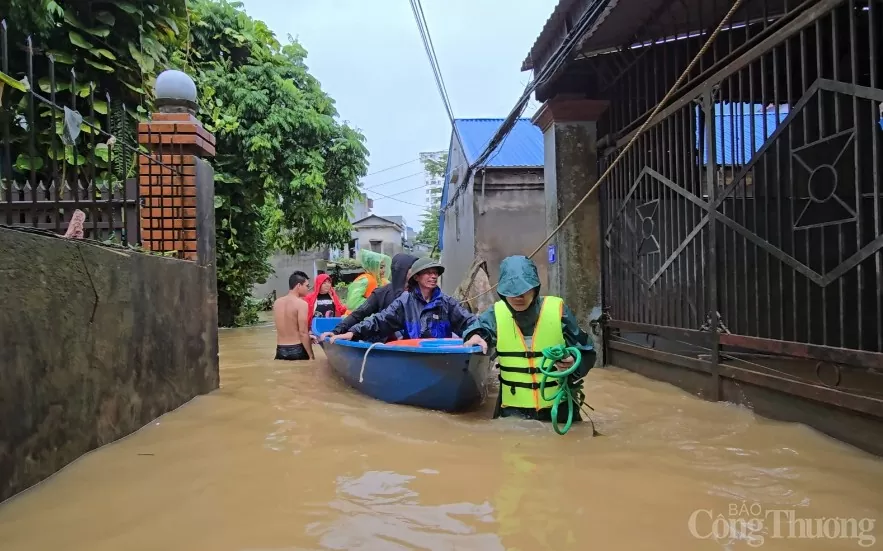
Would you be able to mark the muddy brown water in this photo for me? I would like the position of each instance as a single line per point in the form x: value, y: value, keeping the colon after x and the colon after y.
x: 286, y: 457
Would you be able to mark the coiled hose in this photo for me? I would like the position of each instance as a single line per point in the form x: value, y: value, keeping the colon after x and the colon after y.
x: 570, y: 390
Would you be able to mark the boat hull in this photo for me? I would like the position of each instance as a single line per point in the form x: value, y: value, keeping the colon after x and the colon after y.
x: 437, y: 374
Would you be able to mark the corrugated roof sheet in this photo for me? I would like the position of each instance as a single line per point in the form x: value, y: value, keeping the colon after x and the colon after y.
x: 734, y: 124
x: 523, y: 146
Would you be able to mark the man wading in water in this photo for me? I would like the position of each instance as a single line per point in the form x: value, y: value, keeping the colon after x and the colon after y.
x: 290, y: 314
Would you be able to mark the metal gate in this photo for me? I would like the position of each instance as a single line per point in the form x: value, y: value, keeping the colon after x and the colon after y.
x: 743, y: 230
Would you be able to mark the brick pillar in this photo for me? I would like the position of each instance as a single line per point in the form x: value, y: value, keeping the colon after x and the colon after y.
x: 167, y: 182
x: 571, y: 169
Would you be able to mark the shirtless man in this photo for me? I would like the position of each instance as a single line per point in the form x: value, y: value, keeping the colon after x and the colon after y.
x: 290, y: 314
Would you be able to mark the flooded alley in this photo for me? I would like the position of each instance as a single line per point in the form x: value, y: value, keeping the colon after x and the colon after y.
x: 285, y: 457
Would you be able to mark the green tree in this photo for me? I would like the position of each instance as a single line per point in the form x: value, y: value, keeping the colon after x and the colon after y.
x: 435, y: 167
x: 286, y: 168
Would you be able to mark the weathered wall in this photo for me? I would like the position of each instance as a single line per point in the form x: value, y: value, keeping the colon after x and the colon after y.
x: 511, y: 219
x: 459, y: 240
x: 283, y: 266
x: 453, y: 252
x: 570, y: 171
x: 96, y: 343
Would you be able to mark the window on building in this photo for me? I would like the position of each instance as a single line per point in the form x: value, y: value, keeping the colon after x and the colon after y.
x: 376, y: 246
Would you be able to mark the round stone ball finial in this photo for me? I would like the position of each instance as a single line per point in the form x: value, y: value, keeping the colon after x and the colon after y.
x: 175, y: 92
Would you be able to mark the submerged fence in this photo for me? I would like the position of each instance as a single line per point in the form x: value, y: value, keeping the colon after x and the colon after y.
x: 66, y: 146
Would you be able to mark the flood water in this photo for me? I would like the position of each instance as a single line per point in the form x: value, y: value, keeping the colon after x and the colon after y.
x: 286, y: 457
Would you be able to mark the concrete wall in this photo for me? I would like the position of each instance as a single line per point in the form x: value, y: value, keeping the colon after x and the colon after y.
x: 96, y: 343
x: 459, y: 240
x: 502, y: 213
x: 283, y: 266
x: 511, y: 218
x: 458, y: 235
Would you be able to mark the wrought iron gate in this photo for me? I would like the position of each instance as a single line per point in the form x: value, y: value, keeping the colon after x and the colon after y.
x: 744, y: 228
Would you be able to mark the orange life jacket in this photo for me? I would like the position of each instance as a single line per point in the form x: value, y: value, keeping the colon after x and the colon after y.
x: 372, y: 284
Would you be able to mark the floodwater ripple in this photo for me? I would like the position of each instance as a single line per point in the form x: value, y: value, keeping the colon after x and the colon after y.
x: 285, y: 457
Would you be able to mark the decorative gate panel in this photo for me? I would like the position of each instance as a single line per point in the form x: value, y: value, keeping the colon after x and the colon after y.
x: 744, y: 228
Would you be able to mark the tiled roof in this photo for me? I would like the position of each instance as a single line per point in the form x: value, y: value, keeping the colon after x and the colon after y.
x: 390, y: 219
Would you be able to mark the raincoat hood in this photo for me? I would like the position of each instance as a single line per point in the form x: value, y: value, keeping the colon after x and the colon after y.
x: 518, y: 275
x: 401, y: 263
x: 372, y: 261
x: 311, y: 298
x: 320, y: 279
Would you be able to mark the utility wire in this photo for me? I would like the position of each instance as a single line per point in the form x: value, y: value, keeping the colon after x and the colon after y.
x: 639, y: 132
x: 393, y: 181
x: 391, y: 167
x: 423, y: 27
x: 402, y: 201
x: 557, y: 59
x: 396, y: 194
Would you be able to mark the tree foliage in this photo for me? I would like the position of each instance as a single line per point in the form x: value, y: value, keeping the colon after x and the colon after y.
x: 429, y: 232
x: 105, y: 56
x: 436, y: 167
x: 286, y: 169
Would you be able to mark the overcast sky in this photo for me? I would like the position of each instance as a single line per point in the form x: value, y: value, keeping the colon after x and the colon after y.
x: 369, y: 57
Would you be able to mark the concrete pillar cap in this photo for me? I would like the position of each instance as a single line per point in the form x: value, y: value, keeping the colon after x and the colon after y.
x: 175, y: 92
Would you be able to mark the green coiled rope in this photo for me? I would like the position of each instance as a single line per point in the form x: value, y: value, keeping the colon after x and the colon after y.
x: 572, y: 391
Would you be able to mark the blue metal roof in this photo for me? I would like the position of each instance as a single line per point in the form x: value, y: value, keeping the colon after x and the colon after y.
x: 733, y: 131
x: 523, y: 146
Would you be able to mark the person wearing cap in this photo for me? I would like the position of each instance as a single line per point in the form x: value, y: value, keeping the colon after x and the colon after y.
x: 380, y: 298
x: 422, y: 312
x: 520, y: 325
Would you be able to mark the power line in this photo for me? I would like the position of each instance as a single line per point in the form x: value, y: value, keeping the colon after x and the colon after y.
x: 428, y: 46
x: 558, y: 58
x: 393, y: 181
x: 391, y: 167
x: 423, y: 27
x: 396, y: 194
x: 402, y: 201
x: 674, y: 88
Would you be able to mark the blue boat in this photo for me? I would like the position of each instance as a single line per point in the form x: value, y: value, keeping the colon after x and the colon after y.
x: 437, y: 374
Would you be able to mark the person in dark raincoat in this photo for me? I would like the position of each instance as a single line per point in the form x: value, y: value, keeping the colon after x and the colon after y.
x: 520, y: 325
x: 381, y: 298
x: 423, y: 312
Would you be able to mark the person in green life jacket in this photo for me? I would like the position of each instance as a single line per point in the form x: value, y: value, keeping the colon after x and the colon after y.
x: 377, y: 271
x: 520, y: 325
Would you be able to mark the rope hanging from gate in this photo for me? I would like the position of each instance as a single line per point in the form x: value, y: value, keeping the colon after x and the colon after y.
x: 640, y: 131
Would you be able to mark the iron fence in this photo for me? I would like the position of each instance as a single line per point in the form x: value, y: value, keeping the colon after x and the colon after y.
x: 67, y: 147
x: 747, y: 221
